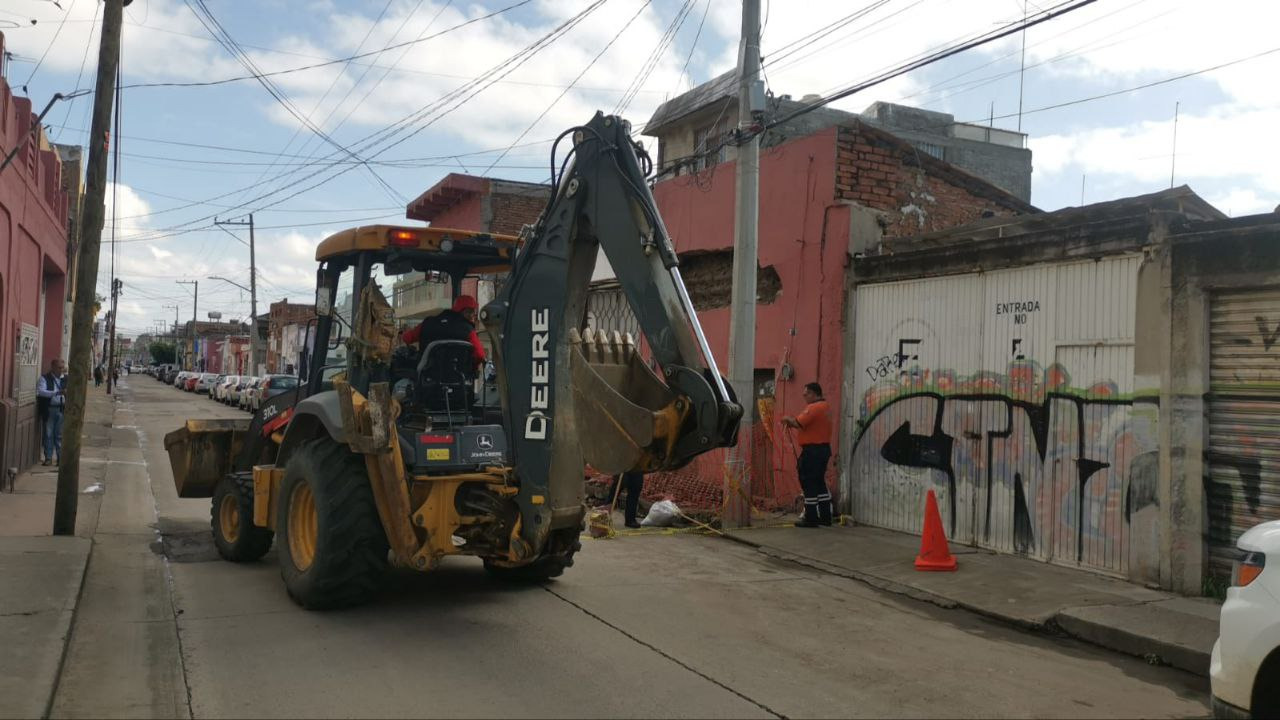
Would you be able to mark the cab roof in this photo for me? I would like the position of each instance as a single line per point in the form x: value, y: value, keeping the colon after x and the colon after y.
x: 485, y: 252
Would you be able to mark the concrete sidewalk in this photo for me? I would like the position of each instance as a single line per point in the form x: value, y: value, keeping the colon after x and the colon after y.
x: 1115, y: 614
x: 41, y: 575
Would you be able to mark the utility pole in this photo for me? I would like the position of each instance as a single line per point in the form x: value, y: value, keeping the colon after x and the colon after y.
x: 173, y: 336
x: 195, y: 304
x: 111, y: 338
x: 253, y: 292
x: 742, y: 324
x: 68, y: 492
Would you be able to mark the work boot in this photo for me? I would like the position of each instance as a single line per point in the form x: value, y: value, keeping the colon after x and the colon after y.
x: 824, y: 512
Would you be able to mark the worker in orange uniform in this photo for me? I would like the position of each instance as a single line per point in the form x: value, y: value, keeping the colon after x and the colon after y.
x: 814, y: 424
x: 457, y: 323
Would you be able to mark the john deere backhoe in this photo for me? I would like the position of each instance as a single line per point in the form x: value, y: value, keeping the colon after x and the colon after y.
x: 402, y: 455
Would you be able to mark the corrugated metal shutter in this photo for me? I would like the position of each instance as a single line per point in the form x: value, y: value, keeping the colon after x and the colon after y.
x: 1242, y: 482
x: 1011, y: 395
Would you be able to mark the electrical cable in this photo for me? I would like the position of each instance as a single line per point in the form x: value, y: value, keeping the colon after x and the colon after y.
x: 651, y: 62
x: 49, y: 47
x: 435, y: 111
x: 706, y: 6
x: 83, y: 60
x: 358, y: 56
x: 584, y: 71
x: 328, y: 90
x: 1054, y: 12
x: 215, y: 28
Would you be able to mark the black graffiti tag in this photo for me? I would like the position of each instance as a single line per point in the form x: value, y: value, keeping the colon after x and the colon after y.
x: 1269, y: 337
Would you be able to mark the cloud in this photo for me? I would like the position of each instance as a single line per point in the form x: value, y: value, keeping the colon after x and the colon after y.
x: 161, y: 40
x: 428, y: 71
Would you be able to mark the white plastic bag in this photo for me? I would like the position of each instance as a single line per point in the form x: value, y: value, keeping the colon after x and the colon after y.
x: 661, y: 514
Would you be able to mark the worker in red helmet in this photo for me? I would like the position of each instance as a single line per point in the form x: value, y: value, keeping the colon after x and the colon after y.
x: 457, y: 323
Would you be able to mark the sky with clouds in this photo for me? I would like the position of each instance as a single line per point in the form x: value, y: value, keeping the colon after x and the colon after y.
x: 481, y: 87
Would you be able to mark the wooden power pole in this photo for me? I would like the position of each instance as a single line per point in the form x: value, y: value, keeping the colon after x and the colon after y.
x: 68, y: 493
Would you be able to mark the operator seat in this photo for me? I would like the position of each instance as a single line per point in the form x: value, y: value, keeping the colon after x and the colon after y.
x: 446, y: 381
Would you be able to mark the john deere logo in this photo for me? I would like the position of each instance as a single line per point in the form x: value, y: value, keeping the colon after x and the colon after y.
x: 484, y: 442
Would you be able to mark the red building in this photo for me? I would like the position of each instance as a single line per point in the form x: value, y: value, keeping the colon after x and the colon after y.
x: 468, y: 202
x: 33, y: 262
x: 823, y: 197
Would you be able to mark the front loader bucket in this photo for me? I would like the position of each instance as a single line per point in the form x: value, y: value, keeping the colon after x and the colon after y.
x: 627, y: 417
x: 201, y: 452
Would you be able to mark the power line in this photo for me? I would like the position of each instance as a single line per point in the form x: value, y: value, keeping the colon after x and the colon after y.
x: 1144, y: 86
x: 215, y: 28
x: 591, y: 64
x: 288, y: 71
x: 706, y: 6
x: 434, y: 110
x: 52, y: 42
x: 985, y: 38
x: 328, y: 90
x: 651, y: 62
x: 83, y: 60
x: 441, y: 107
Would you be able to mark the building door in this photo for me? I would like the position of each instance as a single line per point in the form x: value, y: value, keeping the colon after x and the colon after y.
x: 1242, y: 465
x: 1010, y: 395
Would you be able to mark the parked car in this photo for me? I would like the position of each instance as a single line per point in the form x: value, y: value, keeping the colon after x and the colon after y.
x: 220, y: 392
x: 245, y: 389
x: 205, y: 382
x: 180, y: 380
x: 190, y: 383
x: 1244, y: 668
x: 270, y: 386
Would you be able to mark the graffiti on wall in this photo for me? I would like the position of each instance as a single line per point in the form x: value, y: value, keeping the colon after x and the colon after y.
x: 1023, y: 460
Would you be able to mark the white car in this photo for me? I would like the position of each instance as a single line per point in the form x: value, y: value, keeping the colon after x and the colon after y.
x: 206, y: 382
x: 220, y: 392
x: 1245, y: 666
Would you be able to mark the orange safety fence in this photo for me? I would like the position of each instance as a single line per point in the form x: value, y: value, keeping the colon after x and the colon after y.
x: 699, y: 486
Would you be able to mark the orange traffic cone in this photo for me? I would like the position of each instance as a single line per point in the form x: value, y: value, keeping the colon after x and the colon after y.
x: 934, y: 553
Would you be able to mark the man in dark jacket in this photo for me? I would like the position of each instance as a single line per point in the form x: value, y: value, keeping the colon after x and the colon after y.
x: 458, y: 323
x: 50, y: 399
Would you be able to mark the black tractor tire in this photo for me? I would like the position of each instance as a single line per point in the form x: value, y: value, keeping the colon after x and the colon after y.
x: 333, y: 554
x: 234, y: 534
x: 562, y: 546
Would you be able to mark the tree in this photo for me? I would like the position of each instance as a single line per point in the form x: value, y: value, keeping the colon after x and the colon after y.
x: 162, y: 352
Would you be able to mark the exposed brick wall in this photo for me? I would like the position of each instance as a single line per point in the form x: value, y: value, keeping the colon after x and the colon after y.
x: 916, y: 192
x: 283, y: 313
x: 512, y: 211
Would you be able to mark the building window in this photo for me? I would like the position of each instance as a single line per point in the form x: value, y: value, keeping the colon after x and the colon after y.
x: 709, y: 146
x: 932, y: 149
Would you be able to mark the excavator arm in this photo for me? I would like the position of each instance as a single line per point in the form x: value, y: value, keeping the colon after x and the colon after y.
x: 572, y: 395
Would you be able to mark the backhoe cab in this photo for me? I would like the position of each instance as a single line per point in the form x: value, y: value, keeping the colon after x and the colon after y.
x: 406, y: 455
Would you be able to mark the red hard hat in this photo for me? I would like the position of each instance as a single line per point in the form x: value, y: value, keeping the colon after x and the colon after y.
x: 465, y: 302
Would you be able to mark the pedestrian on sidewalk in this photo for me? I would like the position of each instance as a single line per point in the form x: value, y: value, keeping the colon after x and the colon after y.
x: 633, y: 483
x: 97, y: 375
x: 50, y: 400
x: 814, y: 436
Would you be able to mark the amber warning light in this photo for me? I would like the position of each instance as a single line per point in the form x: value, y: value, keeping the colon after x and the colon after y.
x: 404, y: 238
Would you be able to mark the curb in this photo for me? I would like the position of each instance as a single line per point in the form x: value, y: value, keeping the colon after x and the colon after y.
x: 66, y: 631
x: 1062, y: 623
x: 1153, y: 650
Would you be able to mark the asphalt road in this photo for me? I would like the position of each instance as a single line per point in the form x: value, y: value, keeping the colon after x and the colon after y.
x: 640, y: 626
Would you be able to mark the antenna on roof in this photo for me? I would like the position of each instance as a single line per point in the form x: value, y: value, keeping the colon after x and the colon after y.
x: 1173, y: 156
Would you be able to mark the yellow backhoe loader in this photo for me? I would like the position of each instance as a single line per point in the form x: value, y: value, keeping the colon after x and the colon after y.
x: 399, y: 455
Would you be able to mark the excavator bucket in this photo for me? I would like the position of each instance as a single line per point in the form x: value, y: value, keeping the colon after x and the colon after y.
x: 202, y: 451
x: 627, y: 417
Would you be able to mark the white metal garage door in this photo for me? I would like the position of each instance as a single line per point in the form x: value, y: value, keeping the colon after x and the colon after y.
x: 1242, y: 478
x: 1010, y: 394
